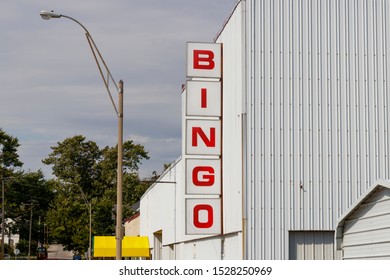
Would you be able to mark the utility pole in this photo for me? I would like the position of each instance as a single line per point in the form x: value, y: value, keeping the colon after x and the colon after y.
x: 29, y: 235
x: 2, y: 218
x: 119, y: 228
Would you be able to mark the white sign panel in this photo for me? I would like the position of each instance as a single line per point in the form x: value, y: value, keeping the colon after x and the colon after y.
x: 204, y: 98
x: 204, y: 60
x: 203, y: 176
x: 203, y: 137
x: 203, y: 216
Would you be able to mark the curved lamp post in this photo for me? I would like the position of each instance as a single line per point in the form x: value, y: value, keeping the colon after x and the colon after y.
x: 119, y: 111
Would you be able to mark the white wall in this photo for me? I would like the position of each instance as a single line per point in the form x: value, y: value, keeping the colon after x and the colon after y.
x: 158, y: 207
x: 232, y: 38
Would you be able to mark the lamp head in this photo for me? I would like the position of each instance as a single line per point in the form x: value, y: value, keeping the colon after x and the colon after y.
x: 48, y: 15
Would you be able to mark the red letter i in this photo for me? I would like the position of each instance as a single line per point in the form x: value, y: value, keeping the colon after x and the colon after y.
x: 204, y: 98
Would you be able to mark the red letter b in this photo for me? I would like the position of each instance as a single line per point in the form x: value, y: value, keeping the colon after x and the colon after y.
x: 203, y: 59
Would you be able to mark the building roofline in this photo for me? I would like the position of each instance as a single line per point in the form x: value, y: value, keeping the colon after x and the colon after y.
x: 226, y: 21
x: 353, y: 208
x: 159, y: 179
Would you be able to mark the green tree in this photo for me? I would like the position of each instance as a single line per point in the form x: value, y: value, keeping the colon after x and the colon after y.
x: 9, y: 158
x: 9, y: 161
x: 86, y: 175
x: 74, y: 161
x: 28, y: 194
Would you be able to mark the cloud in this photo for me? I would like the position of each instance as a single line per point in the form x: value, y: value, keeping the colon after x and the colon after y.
x: 50, y: 88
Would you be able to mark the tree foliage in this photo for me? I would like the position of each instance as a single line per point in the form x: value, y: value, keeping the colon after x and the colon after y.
x: 86, y: 177
x: 28, y: 198
x: 9, y: 158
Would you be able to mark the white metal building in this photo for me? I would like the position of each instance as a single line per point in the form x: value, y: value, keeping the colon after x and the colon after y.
x: 305, y: 132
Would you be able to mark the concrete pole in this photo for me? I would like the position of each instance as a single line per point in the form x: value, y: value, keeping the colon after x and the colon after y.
x: 119, y: 231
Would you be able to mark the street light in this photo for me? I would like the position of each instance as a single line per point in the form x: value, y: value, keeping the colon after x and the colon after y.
x: 89, y: 205
x: 30, y: 230
x: 119, y: 112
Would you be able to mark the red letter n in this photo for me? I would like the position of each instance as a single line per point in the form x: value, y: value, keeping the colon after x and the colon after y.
x: 209, y: 142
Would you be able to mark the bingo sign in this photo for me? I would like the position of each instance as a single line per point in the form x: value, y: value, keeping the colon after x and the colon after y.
x: 203, y: 134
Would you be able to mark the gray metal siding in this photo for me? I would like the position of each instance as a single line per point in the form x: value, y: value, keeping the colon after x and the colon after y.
x: 367, y: 231
x: 317, y: 109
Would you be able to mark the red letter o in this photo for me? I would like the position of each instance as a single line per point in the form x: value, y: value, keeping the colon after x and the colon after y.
x: 210, y: 220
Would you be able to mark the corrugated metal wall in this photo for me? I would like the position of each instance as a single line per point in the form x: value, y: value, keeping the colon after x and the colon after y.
x: 366, y: 233
x: 317, y: 107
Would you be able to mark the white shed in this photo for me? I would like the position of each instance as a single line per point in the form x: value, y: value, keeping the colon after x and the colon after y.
x: 364, y: 231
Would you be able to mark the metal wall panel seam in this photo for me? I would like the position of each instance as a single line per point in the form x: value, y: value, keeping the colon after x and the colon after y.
x: 370, y: 143
x: 381, y: 94
x: 284, y: 126
x: 253, y: 129
x: 349, y: 101
x: 361, y: 97
x: 338, y: 110
x: 386, y: 46
x: 265, y: 141
x: 300, y: 119
x: 275, y: 125
x: 322, y: 159
x: 344, y: 108
x: 296, y: 118
x: 291, y: 191
x: 334, y: 111
x: 286, y: 131
x: 354, y: 156
x: 306, y: 114
x: 269, y: 96
x: 250, y: 59
x: 382, y: 82
x: 245, y: 243
x: 330, y: 184
x: 310, y: 117
x: 364, y: 78
x: 317, y: 131
x: 324, y: 43
x: 375, y: 92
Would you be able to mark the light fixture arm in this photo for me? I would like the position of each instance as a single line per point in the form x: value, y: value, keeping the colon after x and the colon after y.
x: 96, y: 54
x: 106, y: 79
x: 98, y: 59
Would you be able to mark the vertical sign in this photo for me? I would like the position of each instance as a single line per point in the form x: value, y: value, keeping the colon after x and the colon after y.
x: 203, y: 134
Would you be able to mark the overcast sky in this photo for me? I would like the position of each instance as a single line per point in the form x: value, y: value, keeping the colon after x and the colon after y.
x: 50, y: 87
